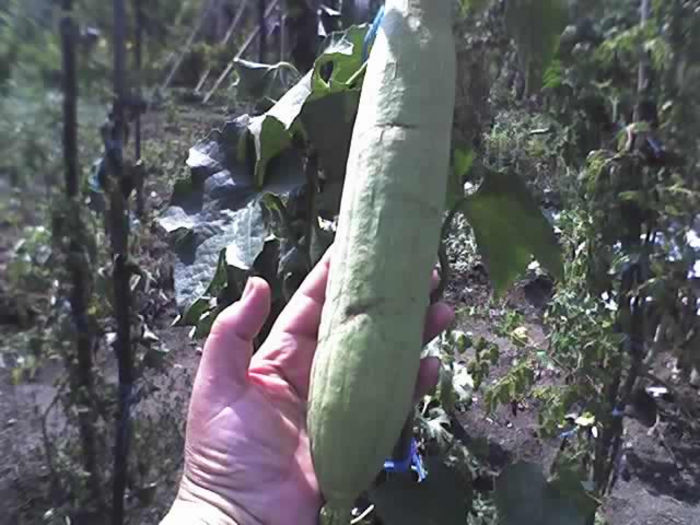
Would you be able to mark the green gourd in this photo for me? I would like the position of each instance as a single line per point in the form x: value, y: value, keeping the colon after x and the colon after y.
x: 367, y: 359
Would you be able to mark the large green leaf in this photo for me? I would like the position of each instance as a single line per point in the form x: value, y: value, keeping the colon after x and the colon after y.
x: 216, y: 216
x: 340, y: 60
x: 536, y: 25
x: 510, y: 229
x: 332, y: 142
x: 271, y: 139
x: 328, y: 123
x: 524, y: 497
x: 443, y: 498
x: 218, y: 209
x: 288, y: 108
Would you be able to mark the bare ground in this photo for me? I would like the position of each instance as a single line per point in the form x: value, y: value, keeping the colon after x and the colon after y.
x: 663, y: 482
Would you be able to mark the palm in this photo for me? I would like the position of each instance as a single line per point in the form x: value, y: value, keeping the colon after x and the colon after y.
x: 247, y: 450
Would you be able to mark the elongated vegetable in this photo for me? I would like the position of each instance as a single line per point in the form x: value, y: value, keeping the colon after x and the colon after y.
x: 367, y: 359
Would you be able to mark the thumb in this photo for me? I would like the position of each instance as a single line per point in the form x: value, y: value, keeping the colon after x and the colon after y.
x: 229, y: 347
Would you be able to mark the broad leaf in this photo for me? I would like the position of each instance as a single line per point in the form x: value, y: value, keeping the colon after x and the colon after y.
x: 270, y: 139
x: 331, y: 140
x: 258, y: 81
x: 219, y: 209
x: 510, y: 229
x: 343, y: 57
x: 443, y: 498
x: 287, y: 108
x: 535, y: 25
x: 272, y: 131
x: 523, y: 497
x: 216, y: 216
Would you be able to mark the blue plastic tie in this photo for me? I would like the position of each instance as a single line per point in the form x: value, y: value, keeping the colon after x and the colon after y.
x: 372, y: 33
x: 412, y: 463
x: 617, y: 412
x: 567, y: 433
x: 655, y: 146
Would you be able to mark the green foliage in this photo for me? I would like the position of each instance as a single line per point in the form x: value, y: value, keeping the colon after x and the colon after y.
x: 511, y: 387
x: 510, y: 229
x: 29, y: 269
x: 524, y: 495
x: 627, y: 231
x: 288, y: 167
x: 535, y: 25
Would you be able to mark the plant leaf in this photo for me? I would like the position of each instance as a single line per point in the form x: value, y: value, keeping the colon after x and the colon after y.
x: 219, y: 209
x: 343, y: 54
x: 258, y: 81
x: 536, y: 25
x: 443, y: 498
x: 510, y: 229
x: 331, y: 139
x: 288, y: 108
x: 270, y: 139
x: 523, y: 496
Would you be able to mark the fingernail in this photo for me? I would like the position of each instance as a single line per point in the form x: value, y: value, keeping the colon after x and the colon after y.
x: 248, y: 288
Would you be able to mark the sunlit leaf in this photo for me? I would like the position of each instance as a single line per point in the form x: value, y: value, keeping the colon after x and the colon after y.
x: 342, y: 55
x: 270, y: 139
x: 219, y: 210
x: 331, y: 141
x: 510, y: 229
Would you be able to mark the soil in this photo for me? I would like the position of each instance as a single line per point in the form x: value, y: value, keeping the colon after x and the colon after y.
x: 663, y: 486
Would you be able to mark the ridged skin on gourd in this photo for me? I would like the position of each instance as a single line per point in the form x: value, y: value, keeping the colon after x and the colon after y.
x: 367, y: 359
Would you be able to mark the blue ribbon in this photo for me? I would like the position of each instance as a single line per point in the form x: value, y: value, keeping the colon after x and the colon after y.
x: 372, y: 33
x: 412, y: 463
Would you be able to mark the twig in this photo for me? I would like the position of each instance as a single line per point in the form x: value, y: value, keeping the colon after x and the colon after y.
x: 243, y: 49
x: 312, y: 213
x: 362, y: 516
x: 442, y: 251
x: 224, y: 41
x: 188, y: 45
x: 47, y: 442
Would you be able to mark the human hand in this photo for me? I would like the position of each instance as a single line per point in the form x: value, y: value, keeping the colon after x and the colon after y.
x: 247, y: 454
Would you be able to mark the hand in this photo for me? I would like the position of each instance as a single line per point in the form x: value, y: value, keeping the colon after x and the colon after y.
x: 247, y: 455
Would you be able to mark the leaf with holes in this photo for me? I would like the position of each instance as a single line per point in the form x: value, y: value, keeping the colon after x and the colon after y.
x: 340, y: 61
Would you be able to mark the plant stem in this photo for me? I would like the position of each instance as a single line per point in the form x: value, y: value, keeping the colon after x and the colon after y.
x: 77, y: 264
x: 312, y: 212
x: 442, y: 251
x: 119, y: 234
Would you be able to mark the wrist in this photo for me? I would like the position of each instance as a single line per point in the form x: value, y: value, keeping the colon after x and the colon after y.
x: 184, y: 512
x: 197, y: 505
